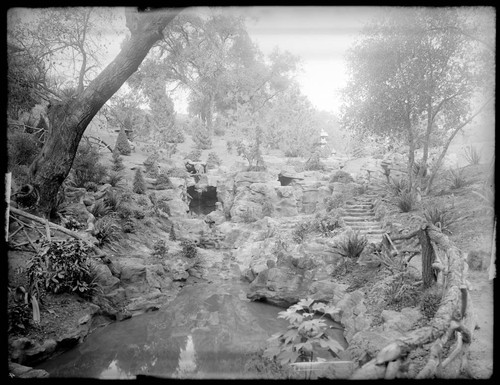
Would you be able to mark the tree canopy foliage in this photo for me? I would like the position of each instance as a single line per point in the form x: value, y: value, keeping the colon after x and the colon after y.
x: 414, y: 76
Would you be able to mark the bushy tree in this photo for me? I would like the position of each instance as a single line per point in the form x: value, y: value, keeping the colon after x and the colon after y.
x: 117, y: 161
x: 139, y: 185
x: 122, y: 145
x: 414, y: 75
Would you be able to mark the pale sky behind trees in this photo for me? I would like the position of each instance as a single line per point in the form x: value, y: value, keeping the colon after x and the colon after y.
x: 320, y: 35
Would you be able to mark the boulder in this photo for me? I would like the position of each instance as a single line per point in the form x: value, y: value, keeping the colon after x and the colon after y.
x: 105, y: 278
x: 352, y: 315
x: 283, y: 286
x: 21, y: 371
x: 288, y: 201
x: 370, y: 342
x: 401, y: 321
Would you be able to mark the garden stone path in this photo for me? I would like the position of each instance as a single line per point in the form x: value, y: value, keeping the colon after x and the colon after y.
x: 360, y: 216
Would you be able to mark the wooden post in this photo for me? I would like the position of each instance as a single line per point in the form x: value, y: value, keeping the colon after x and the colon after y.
x: 428, y: 258
x: 8, y: 179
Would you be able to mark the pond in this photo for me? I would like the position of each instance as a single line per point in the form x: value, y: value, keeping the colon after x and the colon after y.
x: 208, y: 331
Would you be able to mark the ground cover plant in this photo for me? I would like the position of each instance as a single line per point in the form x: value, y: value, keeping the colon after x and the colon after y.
x: 305, y: 333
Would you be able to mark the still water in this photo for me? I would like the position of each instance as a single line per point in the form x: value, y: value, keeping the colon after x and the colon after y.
x: 208, y: 331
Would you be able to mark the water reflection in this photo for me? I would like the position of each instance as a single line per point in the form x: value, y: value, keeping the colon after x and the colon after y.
x: 113, y: 371
x: 208, y: 331
x: 187, y: 360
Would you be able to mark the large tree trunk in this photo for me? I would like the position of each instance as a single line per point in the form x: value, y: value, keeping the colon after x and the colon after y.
x: 70, y: 119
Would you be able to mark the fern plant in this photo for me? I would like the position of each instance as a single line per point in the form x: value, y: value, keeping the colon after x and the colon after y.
x: 306, y: 332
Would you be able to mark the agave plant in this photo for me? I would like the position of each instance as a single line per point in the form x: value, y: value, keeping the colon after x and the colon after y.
x: 442, y: 217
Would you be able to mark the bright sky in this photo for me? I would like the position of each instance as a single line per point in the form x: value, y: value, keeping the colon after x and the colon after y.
x: 319, y: 35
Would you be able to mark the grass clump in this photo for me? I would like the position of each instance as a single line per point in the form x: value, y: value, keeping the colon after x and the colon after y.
x: 99, y: 209
x: 430, y: 302
x: 457, y: 178
x: 106, y: 231
x: 441, y: 217
x: 351, y: 245
x: 472, y: 156
x: 405, y: 201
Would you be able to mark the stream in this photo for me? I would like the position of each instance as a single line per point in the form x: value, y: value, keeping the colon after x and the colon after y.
x: 208, y: 331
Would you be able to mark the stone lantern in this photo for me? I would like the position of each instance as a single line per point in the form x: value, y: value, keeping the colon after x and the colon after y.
x: 322, y: 141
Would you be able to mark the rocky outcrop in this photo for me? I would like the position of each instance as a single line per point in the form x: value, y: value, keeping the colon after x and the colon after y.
x: 284, y: 286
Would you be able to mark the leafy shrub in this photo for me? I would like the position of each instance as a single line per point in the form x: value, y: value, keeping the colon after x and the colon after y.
x: 351, y: 245
x: 301, y: 230
x: 72, y: 224
x: 177, y: 172
x: 189, y: 248
x: 143, y: 201
x: 194, y: 155
x: 139, y: 214
x: 405, y: 201
x: 139, y: 185
x: 90, y: 186
x: 20, y: 174
x: 99, y: 209
x: 252, y: 152
x: 202, y: 138
x: 86, y: 166
x: 430, y: 302
x: 163, y: 182
x: 441, y: 217
x: 128, y: 226
x: 160, y: 248
x: 151, y: 164
x: 125, y: 211
x: 472, y: 156
x: 334, y: 202
x: 314, y: 163
x: 106, y: 231
x: 326, y: 225
x: 22, y: 148
x: 292, y: 152
x: 19, y: 316
x: 122, y: 145
x: 117, y: 160
x: 171, y: 235
x: 341, y: 177
x: 62, y: 267
x: 213, y: 160
x: 304, y: 333
x: 457, y: 178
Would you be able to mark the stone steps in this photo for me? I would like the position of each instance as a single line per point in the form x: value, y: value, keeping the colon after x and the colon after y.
x: 360, y: 216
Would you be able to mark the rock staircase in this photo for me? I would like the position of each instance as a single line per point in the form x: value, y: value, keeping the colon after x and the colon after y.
x: 360, y: 216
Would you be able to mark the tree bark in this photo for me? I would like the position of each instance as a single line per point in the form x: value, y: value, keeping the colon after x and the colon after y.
x: 428, y: 257
x: 69, y: 119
